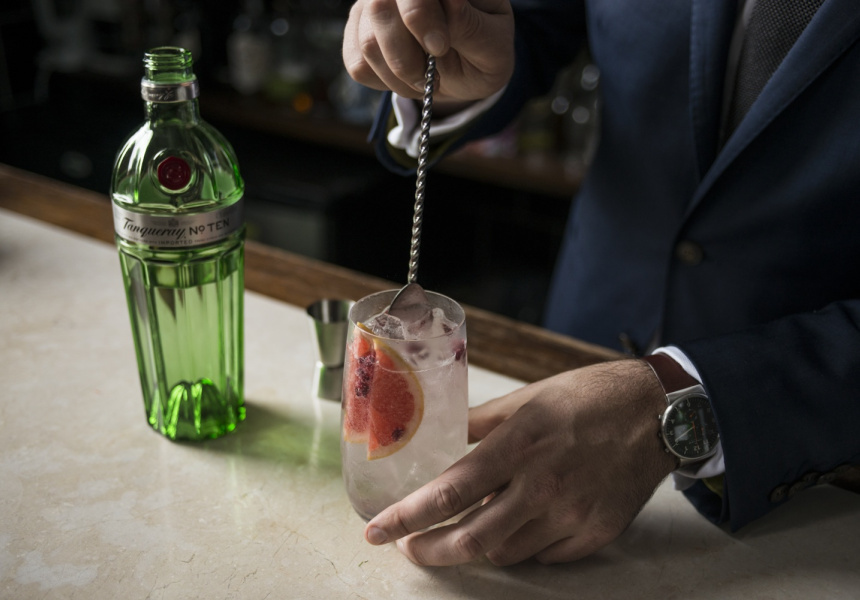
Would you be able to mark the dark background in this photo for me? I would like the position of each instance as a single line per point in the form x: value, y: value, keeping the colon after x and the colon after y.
x: 69, y: 95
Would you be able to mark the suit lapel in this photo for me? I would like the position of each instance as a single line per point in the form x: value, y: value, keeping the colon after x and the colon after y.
x: 830, y: 33
x: 711, y: 28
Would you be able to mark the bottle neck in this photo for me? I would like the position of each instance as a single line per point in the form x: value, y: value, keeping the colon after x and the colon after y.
x: 187, y: 111
x: 169, y: 88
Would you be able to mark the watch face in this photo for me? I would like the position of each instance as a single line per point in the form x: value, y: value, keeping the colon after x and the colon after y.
x: 689, y: 427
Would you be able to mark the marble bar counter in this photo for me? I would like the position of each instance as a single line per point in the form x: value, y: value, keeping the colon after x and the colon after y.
x: 96, y: 505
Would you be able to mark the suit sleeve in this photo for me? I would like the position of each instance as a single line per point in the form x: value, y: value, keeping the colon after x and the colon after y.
x: 786, y: 401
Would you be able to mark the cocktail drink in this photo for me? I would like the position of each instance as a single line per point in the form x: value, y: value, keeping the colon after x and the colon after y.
x: 405, y: 391
x: 405, y: 397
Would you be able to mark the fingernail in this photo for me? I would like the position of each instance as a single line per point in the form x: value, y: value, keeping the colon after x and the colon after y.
x: 434, y: 43
x: 376, y: 536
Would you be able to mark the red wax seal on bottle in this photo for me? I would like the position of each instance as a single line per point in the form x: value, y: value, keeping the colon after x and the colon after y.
x: 174, y: 173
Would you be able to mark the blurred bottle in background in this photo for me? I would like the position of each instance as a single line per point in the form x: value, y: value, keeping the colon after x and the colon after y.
x: 292, y: 69
x: 249, y: 49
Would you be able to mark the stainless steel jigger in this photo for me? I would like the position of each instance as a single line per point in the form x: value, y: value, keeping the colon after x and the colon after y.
x: 329, y: 321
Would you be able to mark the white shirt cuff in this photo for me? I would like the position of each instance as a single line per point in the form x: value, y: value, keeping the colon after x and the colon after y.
x: 715, y: 465
x: 406, y: 134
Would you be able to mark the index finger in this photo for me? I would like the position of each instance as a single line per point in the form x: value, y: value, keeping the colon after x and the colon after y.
x: 465, y: 483
x: 426, y: 20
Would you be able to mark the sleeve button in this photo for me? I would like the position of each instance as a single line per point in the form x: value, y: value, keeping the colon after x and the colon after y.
x: 779, y: 494
x: 811, y: 478
x: 798, y: 486
x: 827, y: 477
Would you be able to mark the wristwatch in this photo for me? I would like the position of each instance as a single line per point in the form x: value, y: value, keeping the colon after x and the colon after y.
x: 688, y: 427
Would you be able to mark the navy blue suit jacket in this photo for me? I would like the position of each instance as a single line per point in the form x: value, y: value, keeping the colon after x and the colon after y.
x: 770, y: 315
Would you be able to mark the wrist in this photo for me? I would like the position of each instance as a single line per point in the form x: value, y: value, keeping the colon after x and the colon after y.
x: 653, y: 399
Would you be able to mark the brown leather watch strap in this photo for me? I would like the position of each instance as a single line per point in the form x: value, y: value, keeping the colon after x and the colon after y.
x: 672, y: 376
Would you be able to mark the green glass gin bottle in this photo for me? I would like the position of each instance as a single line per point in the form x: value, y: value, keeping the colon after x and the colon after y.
x: 177, y: 205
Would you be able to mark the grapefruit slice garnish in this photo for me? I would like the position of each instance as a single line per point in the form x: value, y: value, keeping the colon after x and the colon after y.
x: 356, y: 423
x: 384, y: 403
